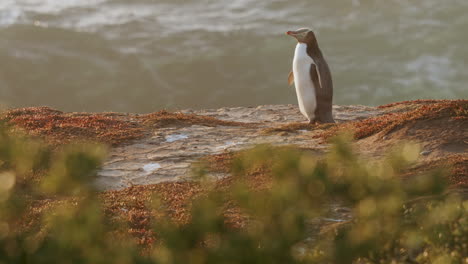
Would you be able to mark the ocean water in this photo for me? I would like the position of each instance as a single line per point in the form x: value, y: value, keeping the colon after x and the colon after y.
x: 147, y: 55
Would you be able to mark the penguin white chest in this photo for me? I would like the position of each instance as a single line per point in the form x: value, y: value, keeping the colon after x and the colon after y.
x: 305, y: 89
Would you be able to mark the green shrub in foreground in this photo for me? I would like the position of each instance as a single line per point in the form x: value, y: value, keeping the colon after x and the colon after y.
x: 414, y: 221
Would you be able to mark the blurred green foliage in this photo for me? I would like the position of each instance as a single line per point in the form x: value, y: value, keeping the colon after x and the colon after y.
x: 393, y: 221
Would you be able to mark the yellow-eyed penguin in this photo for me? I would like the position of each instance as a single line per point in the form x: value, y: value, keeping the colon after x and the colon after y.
x: 312, y: 78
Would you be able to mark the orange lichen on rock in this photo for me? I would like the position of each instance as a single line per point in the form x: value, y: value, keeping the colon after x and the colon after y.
x: 220, y: 163
x: 132, y: 211
x: 58, y: 128
x: 164, y: 118
x: 111, y: 128
x: 456, y: 110
x: 140, y: 206
x: 455, y: 166
x: 459, y: 170
x: 413, y: 102
x: 173, y: 198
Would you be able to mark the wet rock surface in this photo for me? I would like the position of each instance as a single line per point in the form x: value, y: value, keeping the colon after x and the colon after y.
x: 168, y: 153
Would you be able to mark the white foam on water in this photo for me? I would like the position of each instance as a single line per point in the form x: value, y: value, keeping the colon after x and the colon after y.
x: 55, y: 6
x: 151, y: 167
x: 10, y: 16
x: 175, y: 137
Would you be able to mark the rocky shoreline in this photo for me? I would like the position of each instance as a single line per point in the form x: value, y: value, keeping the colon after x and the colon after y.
x: 163, y: 146
x: 167, y: 154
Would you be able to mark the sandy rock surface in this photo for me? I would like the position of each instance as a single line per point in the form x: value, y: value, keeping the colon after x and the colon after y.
x: 169, y: 153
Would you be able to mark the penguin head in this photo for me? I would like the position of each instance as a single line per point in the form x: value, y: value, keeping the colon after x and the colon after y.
x: 304, y: 35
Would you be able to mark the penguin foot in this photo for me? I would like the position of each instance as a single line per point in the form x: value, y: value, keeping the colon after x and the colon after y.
x: 317, y: 122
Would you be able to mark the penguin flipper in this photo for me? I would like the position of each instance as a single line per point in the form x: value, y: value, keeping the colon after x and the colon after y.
x: 314, y: 76
x: 291, y: 78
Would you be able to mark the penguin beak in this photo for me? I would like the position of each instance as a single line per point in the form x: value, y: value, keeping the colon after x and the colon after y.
x: 293, y: 34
